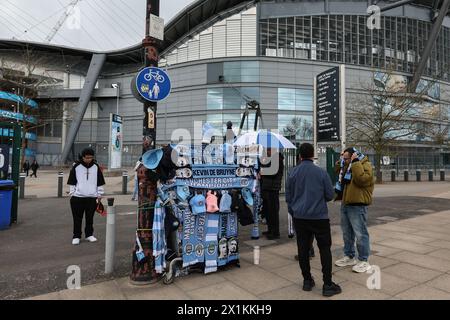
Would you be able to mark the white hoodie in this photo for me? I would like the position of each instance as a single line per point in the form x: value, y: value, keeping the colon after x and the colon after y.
x: 86, y: 181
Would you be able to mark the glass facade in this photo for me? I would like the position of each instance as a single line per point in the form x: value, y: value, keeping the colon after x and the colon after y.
x: 232, y: 98
x: 298, y: 126
x: 346, y: 39
x: 241, y: 71
x: 295, y: 99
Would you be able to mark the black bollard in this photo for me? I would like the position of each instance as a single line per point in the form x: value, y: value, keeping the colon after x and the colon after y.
x: 406, y: 175
x: 430, y: 175
x: 60, y: 184
x: 393, y: 175
x: 418, y: 175
x: 442, y: 175
x: 124, y: 182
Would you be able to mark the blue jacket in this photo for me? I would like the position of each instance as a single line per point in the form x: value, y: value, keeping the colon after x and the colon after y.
x: 308, y: 189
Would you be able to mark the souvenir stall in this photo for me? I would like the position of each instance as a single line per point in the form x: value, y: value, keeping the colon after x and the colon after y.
x: 205, y: 193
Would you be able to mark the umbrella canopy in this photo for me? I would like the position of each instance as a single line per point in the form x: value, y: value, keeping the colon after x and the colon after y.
x: 265, y: 138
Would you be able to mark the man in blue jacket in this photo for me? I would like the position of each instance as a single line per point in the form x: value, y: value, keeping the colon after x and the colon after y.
x: 308, y: 189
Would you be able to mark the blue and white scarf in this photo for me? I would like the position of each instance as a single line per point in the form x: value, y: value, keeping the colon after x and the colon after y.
x: 200, y: 231
x: 232, y: 233
x: 211, y: 243
x: 188, y: 238
x: 159, y: 238
x: 222, y: 259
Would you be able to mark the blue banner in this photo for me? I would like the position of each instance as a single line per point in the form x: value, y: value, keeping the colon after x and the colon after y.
x: 215, y: 183
x: 13, y: 97
x: 17, y: 116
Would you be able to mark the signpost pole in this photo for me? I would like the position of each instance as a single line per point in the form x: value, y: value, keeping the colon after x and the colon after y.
x: 143, y: 272
x: 316, y: 146
x: 342, y: 107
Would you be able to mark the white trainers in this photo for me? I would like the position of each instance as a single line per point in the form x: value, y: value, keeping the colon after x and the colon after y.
x: 91, y: 239
x: 362, y: 267
x: 346, y: 261
x: 75, y: 241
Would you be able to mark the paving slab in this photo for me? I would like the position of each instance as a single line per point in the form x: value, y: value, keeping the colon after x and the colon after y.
x: 424, y: 261
x: 221, y: 291
x: 424, y: 292
x: 354, y: 291
x: 412, y: 272
x: 294, y: 292
x: 441, y: 253
x: 256, y: 280
x: 442, y: 282
x: 102, y: 291
x: 408, y: 246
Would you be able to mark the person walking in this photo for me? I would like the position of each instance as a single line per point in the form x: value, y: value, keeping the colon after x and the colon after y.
x: 26, y: 167
x: 308, y: 189
x: 357, y: 185
x: 271, y: 176
x: 34, y: 168
x: 86, y: 188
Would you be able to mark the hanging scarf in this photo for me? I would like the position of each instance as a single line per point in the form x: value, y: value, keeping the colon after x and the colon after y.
x: 211, y: 242
x: 159, y: 238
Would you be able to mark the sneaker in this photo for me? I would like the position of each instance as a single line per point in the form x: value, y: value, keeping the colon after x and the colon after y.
x: 76, y: 241
x: 91, y: 239
x: 362, y: 267
x: 308, y: 284
x: 346, y: 261
x: 331, y: 290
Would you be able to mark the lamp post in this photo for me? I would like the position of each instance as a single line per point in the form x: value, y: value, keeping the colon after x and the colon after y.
x: 143, y: 270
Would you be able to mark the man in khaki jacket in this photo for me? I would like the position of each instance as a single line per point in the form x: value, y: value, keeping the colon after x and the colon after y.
x: 357, y: 185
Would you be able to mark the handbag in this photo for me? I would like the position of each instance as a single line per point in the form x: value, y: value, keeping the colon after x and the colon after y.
x: 100, y: 208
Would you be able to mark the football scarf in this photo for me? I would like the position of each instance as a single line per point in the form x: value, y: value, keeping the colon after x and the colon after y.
x: 211, y: 243
x: 188, y: 238
x: 222, y: 259
x: 232, y: 232
x: 200, y: 231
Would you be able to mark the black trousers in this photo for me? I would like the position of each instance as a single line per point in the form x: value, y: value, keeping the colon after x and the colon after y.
x: 34, y: 173
x: 271, y: 210
x: 81, y: 206
x: 306, y: 230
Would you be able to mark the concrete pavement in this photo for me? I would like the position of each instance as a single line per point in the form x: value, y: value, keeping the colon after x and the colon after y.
x: 35, y: 253
x: 413, y: 256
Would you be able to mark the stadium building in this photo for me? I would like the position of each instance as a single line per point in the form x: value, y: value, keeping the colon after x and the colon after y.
x: 220, y: 54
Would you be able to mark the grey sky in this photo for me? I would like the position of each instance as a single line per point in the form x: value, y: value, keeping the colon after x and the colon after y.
x: 95, y: 24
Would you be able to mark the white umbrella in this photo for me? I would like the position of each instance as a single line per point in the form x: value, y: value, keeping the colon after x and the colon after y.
x: 264, y: 138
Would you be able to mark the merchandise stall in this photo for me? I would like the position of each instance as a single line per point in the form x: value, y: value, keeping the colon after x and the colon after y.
x: 205, y: 193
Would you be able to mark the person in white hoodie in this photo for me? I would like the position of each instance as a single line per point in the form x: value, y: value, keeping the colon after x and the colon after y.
x: 86, y: 187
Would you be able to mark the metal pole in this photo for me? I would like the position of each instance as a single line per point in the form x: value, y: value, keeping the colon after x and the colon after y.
x: 110, y: 244
x: 118, y: 93
x: 22, y: 186
x: 418, y: 175
x: 60, y: 184
x: 442, y: 174
x: 406, y: 175
x: 393, y: 175
x: 124, y: 182
x: 143, y: 272
x: 430, y: 175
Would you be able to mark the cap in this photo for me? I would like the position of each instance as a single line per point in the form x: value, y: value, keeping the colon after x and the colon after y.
x: 198, y: 204
x: 211, y: 203
x: 225, y: 202
x: 183, y: 193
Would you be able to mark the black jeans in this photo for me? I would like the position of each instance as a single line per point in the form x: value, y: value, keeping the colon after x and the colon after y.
x: 80, y: 206
x: 306, y: 230
x: 271, y: 209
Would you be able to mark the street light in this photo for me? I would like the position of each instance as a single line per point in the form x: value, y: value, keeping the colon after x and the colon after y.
x: 117, y: 87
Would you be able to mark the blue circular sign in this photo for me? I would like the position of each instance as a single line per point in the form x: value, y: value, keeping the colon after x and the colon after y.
x: 153, y: 84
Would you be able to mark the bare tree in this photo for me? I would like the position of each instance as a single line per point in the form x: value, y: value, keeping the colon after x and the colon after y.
x: 298, y: 127
x: 19, y: 72
x: 384, y: 113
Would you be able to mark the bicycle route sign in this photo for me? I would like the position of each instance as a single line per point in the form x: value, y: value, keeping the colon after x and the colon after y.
x: 153, y: 84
